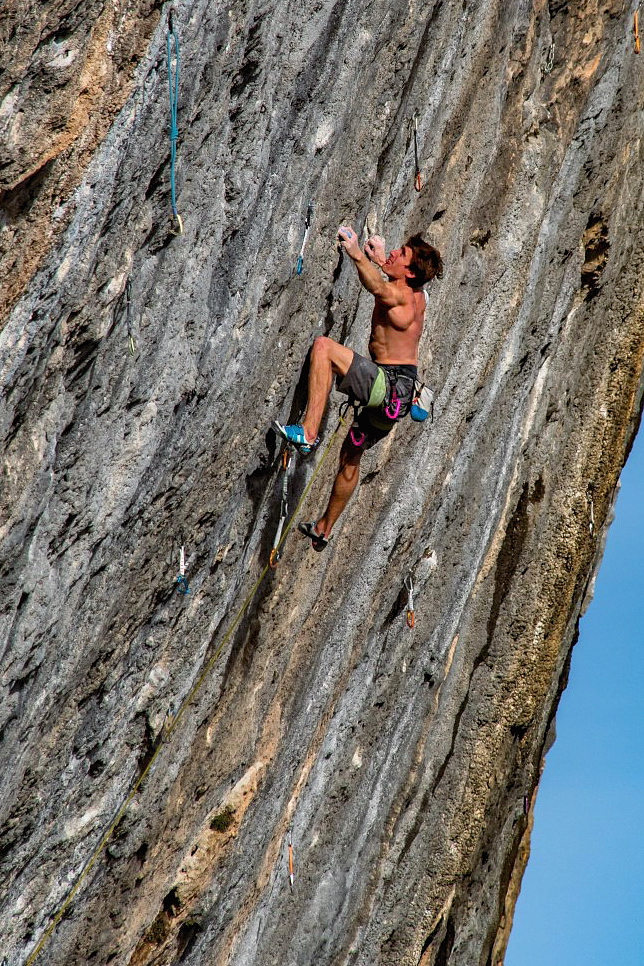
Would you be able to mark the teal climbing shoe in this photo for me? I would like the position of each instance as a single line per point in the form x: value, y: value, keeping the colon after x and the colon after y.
x: 296, y: 437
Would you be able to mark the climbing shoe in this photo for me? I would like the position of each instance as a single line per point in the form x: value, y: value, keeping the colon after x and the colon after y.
x: 318, y: 540
x: 295, y: 436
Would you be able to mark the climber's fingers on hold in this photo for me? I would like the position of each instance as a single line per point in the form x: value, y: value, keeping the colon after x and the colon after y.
x: 375, y: 249
x: 348, y: 239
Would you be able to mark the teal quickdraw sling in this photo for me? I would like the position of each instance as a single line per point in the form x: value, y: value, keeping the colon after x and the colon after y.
x: 307, y: 226
x: 173, y: 87
x: 182, y: 580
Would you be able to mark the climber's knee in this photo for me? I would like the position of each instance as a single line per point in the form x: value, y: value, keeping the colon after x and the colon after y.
x: 325, y: 350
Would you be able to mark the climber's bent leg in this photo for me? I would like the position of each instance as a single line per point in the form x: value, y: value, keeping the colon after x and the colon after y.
x: 327, y: 357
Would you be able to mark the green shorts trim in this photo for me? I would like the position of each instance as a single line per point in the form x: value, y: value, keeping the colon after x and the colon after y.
x: 378, y: 390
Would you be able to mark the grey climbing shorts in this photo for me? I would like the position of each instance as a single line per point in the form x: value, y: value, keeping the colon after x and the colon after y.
x: 365, y: 382
x: 374, y: 423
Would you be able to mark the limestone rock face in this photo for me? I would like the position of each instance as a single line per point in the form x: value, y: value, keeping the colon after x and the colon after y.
x: 157, y: 748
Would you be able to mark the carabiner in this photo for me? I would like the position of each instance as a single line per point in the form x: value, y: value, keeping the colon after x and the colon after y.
x: 344, y: 409
x: 291, y: 872
x: 395, y: 403
x: 274, y: 558
x: 417, y: 184
x: 411, y: 617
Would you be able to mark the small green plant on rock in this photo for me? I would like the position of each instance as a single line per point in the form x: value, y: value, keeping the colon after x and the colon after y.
x: 158, y: 931
x: 222, y: 821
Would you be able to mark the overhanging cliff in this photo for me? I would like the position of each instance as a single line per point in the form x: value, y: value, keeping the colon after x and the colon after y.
x: 399, y: 758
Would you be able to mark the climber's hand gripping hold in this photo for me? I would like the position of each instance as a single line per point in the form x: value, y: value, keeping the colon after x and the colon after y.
x: 349, y: 241
x: 374, y: 248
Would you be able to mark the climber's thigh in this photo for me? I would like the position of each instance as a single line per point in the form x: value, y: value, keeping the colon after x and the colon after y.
x: 360, y: 379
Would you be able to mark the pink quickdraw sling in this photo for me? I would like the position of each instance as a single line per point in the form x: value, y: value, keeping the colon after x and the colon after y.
x: 393, y: 409
x: 356, y: 442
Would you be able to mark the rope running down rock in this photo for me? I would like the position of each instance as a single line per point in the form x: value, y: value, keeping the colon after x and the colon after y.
x: 173, y: 723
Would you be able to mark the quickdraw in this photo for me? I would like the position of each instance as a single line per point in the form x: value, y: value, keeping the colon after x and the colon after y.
x: 550, y: 62
x: 417, y: 182
x: 182, y: 580
x: 291, y: 874
x: 177, y: 223
x: 287, y: 460
x: 356, y: 439
x: 636, y: 30
x: 307, y: 225
x: 409, y: 584
x: 344, y: 409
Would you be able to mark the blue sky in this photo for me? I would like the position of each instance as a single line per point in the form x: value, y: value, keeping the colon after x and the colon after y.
x: 582, y: 898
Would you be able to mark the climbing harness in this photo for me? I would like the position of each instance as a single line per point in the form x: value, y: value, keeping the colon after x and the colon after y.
x: 287, y: 461
x: 291, y: 875
x: 177, y: 223
x: 172, y: 727
x: 636, y: 30
x: 417, y: 184
x: 128, y: 316
x: 409, y: 584
x: 307, y: 225
x: 550, y: 62
x: 182, y: 580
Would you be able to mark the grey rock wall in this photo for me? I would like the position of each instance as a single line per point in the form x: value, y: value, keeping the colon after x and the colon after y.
x: 399, y: 758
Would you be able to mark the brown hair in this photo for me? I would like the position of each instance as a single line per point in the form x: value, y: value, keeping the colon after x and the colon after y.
x: 426, y: 262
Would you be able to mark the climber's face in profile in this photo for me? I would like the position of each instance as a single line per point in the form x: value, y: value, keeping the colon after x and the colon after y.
x: 397, y: 265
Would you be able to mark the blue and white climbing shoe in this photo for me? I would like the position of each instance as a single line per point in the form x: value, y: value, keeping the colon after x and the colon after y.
x: 318, y: 540
x: 295, y: 436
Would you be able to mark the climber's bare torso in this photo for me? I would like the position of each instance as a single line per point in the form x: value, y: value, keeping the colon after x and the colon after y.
x: 396, y: 332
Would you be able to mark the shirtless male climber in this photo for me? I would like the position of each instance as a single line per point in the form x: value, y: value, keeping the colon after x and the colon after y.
x: 384, y: 384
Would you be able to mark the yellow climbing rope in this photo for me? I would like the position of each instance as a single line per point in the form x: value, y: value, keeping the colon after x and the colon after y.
x: 173, y: 723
